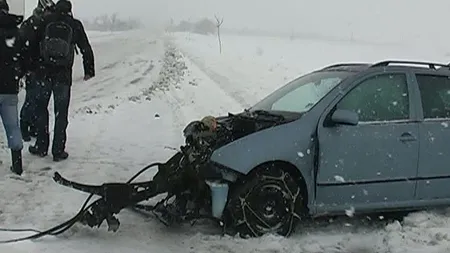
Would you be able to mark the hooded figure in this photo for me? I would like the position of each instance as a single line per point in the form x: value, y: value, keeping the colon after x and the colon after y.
x: 55, y: 75
x: 38, y: 12
x: 64, y: 7
x: 28, y: 30
x: 11, y: 66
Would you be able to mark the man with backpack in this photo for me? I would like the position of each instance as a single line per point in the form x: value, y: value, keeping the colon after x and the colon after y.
x: 11, y: 70
x: 58, y: 35
x: 28, y: 30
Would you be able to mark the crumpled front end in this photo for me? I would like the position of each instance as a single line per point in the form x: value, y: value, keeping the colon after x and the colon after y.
x: 195, y: 186
x: 219, y: 178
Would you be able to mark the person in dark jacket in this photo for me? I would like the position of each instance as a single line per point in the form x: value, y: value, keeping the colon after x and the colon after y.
x: 57, y: 79
x: 11, y: 70
x: 28, y: 29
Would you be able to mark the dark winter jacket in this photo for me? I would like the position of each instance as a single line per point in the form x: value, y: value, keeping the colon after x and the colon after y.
x: 80, y: 40
x: 28, y: 31
x: 11, y: 53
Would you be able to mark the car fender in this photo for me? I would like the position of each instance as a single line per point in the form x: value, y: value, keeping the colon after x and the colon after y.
x: 291, y: 142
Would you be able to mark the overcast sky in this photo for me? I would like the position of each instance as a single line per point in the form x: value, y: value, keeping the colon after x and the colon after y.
x: 334, y: 16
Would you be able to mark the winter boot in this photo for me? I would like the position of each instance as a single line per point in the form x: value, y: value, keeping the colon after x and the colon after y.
x: 16, y: 157
x: 35, y: 150
x: 60, y: 156
x: 24, y: 130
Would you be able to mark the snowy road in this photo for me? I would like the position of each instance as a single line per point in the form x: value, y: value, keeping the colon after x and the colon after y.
x: 113, y: 132
x: 145, y: 92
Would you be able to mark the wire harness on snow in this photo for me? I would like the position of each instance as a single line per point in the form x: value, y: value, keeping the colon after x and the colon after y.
x: 182, y: 178
x: 86, y: 214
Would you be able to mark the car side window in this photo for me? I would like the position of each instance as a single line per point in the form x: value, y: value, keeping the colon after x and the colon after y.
x: 435, y: 95
x: 382, y: 97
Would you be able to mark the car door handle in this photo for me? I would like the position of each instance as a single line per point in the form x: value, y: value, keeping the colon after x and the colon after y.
x: 406, y: 137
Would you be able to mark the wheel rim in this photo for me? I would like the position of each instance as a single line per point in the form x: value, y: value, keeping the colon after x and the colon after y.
x: 268, y: 208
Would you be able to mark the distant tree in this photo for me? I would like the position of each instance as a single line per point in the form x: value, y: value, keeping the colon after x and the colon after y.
x: 111, y: 23
x: 204, y: 26
x: 184, y: 26
x: 219, y: 23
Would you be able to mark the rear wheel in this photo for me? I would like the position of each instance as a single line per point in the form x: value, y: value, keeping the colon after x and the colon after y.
x: 270, y: 201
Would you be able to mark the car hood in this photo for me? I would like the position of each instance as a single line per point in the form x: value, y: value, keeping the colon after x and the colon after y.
x: 236, y: 126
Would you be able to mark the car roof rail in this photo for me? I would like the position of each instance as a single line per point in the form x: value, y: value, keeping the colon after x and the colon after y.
x: 430, y: 65
x: 345, y: 65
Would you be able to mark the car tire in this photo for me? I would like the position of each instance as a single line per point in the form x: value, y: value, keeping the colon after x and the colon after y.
x: 269, y: 201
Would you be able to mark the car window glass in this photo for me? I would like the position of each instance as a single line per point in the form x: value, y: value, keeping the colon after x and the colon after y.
x: 380, y: 98
x: 305, y: 96
x: 435, y: 95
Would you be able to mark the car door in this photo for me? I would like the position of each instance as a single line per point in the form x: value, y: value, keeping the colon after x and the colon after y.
x: 434, y: 157
x: 374, y: 163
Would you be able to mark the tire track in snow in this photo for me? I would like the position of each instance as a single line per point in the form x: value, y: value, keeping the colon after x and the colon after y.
x: 192, y: 100
x: 119, y: 71
x: 222, y: 81
x: 162, y: 88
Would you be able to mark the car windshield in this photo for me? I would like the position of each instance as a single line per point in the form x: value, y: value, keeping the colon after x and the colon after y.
x: 301, y: 94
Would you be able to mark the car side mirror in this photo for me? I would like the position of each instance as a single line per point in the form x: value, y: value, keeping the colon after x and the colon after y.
x: 345, y: 117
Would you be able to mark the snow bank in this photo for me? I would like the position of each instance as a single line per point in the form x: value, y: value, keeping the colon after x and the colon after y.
x: 172, y: 73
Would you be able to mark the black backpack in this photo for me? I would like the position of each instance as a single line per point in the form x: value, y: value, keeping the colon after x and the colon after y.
x: 56, y: 47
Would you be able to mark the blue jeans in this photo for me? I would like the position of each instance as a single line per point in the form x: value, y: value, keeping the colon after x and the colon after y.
x: 10, y: 119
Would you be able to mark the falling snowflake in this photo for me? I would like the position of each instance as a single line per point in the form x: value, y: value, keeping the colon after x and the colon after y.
x: 300, y: 154
x: 10, y: 42
x: 350, y: 212
x: 339, y: 179
x: 444, y: 124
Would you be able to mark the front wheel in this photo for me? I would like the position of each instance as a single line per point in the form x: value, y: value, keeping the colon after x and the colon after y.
x: 270, y: 201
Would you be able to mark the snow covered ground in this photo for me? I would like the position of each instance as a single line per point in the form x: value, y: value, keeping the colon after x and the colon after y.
x: 148, y: 87
x: 257, y: 65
